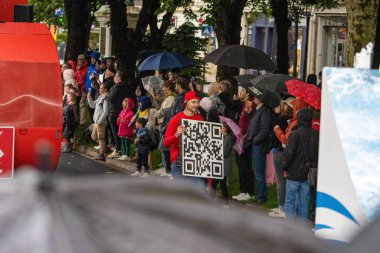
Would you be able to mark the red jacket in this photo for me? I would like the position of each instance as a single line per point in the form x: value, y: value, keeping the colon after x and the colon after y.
x: 79, y: 75
x: 170, y: 138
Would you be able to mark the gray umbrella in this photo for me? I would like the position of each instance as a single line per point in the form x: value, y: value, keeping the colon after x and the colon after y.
x: 241, y: 56
x: 119, y: 214
x: 244, y: 80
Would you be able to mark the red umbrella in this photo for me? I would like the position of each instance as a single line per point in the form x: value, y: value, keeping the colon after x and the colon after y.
x: 308, y: 93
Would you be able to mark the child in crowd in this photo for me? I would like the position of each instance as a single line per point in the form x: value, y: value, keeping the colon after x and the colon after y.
x: 125, y: 130
x: 228, y: 142
x: 142, y: 142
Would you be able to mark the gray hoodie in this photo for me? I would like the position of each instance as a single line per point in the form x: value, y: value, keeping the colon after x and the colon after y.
x: 101, y: 106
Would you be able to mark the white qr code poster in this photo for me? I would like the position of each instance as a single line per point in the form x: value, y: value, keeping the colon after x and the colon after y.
x: 202, y: 149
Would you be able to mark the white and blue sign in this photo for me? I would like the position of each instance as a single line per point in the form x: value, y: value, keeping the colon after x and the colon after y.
x: 348, y: 195
x: 206, y: 30
x: 59, y: 12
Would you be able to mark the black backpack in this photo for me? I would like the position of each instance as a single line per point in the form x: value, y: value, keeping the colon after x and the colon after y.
x: 154, y: 134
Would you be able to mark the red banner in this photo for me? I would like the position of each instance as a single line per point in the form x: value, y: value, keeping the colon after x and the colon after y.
x: 7, y: 143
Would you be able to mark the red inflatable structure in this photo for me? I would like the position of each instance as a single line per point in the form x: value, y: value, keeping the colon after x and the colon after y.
x: 31, y: 96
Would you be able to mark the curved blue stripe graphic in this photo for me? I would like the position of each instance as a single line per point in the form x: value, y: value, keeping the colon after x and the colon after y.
x: 322, y: 226
x: 327, y: 201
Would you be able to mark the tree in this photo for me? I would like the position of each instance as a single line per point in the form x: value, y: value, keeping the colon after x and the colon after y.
x: 44, y: 11
x: 361, y: 17
x: 376, y: 55
x: 184, y: 41
x: 129, y: 42
x: 283, y: 23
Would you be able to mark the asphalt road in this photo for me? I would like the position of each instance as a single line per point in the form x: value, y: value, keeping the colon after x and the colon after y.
x: 71, y: 164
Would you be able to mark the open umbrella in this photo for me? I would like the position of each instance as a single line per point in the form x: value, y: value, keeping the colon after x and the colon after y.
x: 165, y: 60
x: 241, y: 56
x: 306, y: 92
x: 237, y: 132
x: 153, y: 85
x: 272, y: 82
x: 269, y: 98
x: 244, y: 80
x: 120, y: 214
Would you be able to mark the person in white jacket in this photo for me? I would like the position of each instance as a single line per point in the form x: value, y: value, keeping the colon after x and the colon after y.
x: 101, y: 106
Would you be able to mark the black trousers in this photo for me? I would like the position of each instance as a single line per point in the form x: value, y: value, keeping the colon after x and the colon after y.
x: 142, y: 160
x: 223, y: 186
x: 246, y: 178
x: 112, y: 121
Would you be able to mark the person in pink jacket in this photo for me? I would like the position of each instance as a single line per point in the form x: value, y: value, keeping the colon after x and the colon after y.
x: 125, y: 131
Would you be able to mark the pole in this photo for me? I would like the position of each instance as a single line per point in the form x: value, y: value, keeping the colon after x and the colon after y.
x: 306, y: 46
x: 295, y: 44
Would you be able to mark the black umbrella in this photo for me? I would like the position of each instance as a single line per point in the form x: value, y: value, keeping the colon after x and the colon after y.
x: 244, y: 80
x: 165, y: 60
x: 120, y: 214
x: 241, y: 56
x: 269, y: 98
x: 272, y: 82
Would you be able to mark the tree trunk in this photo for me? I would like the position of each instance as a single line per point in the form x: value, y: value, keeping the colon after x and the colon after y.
x: 227, y: 28
x: 77, y: 13
x: 376, y: 55
x: 283, y: 23
x: 361, y: 15
x: 119, y: 32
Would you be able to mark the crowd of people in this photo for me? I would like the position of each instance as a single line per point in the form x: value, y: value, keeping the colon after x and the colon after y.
x: 126, y: 114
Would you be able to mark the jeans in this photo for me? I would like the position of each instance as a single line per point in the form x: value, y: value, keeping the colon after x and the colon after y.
x: 126, y: 145
x: 177, y: 175
x: 297, y: 201
x: 246, y: 179
x: 142, y: 160
x: 259, y: 162
x: 280, y: 180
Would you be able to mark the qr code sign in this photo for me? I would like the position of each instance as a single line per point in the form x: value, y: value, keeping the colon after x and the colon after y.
x: 202, y: 149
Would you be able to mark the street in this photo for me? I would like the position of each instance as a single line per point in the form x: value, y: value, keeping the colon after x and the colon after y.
x: 72, y: 164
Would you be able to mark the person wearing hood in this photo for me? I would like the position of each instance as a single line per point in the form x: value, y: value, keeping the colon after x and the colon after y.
x: 296, y: 105
x: 116, y: 96
x: 101, y: 109
x: 300, y: 154
x: 125, y: 128
x: 92, y: 70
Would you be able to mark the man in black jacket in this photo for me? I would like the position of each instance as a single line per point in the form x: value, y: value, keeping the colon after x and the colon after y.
x: 300, y: 154
x: 258, y: 138
x: 116, y: 95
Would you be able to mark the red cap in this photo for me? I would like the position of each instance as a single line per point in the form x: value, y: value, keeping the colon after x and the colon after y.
x: 191, y: 95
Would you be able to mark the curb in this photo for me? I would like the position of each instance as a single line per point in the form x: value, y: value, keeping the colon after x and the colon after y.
x: 123, y: 166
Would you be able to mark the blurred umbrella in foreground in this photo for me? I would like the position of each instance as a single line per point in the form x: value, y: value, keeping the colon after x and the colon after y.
x: 120, y: 214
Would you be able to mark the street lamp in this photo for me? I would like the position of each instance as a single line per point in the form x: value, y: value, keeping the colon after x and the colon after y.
x: 303, y: 8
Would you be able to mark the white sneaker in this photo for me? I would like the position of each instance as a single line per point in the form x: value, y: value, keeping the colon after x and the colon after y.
x: 121, y: 157
x: 274, y: 209
x: 238, y: 196
x: 170, y: 176
x: 245, y: 197
x: 145, y: 175
x: 97, y: 147
x: 159, y: 171
x: 136, y: 174
x: 278, y: 214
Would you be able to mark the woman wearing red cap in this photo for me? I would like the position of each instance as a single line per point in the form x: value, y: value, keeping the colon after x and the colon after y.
x: 174, y: 130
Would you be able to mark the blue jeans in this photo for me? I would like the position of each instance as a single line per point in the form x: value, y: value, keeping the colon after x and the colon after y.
x: 177, y: 175
x: 297, y: 200
x: 259, y: 162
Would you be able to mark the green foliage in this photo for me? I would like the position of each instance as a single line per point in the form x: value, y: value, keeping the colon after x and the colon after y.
x: 44, y: 11
x: 184, y: 41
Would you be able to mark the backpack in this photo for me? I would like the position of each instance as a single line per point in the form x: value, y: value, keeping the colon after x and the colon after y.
x: 154, y: 134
